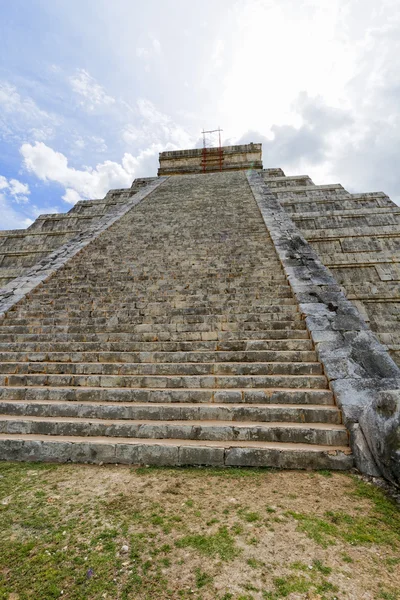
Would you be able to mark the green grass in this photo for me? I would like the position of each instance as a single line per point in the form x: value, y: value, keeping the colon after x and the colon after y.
x: 50, y: 551
x: 220, y: 544
x: 356, y: 531
x: 202, y: 578
x: 379, y: 525
x: 319, y: 530
x: 249, y: 516
x: 385, y: 595
x: 142, y: 540
x: 226, y: 473
x: 346, y: 558
x: 254, y: 563
x: 301, y: 584
x: 292, y: 584
x: 325, y: 473
x: 319, y: 566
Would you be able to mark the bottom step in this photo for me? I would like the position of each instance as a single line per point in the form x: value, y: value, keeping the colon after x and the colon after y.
x: 172, y: 452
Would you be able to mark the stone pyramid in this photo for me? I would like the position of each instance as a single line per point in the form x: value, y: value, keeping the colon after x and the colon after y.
x: 192, y: 320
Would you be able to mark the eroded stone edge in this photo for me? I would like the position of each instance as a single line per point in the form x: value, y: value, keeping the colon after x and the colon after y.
x: 358, y: 367
x: 95, y: 452
x: 21, y: 286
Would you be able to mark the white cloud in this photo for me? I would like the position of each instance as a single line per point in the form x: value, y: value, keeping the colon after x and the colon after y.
x: 10, y: 218
x: 156, y: 44
x: 71, y: 196
x: 21, y: 115
x: 99, y: 143
x: 14, y: 191
x: 217, y: 55
x: 142, y: 53
x: 17, y: 188
x: 92, y: 93
x: 317, y: 81
x: 131, y: 134
x: 49, y: 165
x: 155, y: 127
x: 147, y: 52
x: 42, y: 133
x: 80, y: 143
x: 88, y: 144
x: 12, y: 102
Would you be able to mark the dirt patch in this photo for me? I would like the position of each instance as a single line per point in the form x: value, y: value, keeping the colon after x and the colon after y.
x: 117, y: 533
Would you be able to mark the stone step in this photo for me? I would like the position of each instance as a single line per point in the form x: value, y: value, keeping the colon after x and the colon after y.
x: 155, y: 328
x: 163, y: 271
x: 227, y: 311
x: 166, y: 336
x: 197, y: 284
x: 300, y: 413
x: 176, y: 303
x: 161, y: 309
x: 255, y: 356
x: 220, y: 296
x: 186, y: 298
x: 214, y: 304
x: 277, y: 344
x: 272, y: 395
x: 185, y: 348
x: 168, y: 381
x: 83, y: 320
x: 205, y: 368
x: 193, y: 279
x: 180, y: 273
x: 172, y: 452
x: 213, y: 291
x: 310, y: 433
x: 188, y: 270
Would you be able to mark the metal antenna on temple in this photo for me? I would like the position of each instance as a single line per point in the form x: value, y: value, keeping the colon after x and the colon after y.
x: 209, y: 150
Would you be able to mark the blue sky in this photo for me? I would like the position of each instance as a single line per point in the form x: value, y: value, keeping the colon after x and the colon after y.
x: 92, y: 90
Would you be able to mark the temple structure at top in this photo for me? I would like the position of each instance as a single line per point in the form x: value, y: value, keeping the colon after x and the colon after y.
x: 209, y: 160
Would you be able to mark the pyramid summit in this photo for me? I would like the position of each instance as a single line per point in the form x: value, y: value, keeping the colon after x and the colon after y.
x: 217, y: 314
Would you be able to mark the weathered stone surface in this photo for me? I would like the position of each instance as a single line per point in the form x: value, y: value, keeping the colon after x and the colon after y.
x: 165, y: 331
x: 167, y: 339
x: 355, y: 362
x: 358, y: 237
x: 199, y: 160
x: 192, y: 455
x: 19, y: 286
x: 20, y: 249
x: 380, y: 423
x: 253, y: 457
x: 362, y: 454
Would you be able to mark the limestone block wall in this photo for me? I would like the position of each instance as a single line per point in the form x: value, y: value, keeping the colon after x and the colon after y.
x: 357, y: 236
x: 20, y: 249
x: 196, y: 160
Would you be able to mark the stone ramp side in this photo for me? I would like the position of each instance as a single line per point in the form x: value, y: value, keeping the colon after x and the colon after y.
x: 172, y: 338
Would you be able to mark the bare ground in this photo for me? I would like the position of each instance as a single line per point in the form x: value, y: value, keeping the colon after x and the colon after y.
x: 88, y: 532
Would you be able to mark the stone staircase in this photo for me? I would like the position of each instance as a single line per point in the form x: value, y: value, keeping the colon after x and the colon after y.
x: 173, y: 338
x: 20, y: 249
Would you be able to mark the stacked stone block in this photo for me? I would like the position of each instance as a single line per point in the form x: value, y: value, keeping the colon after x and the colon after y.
x: 172, y: 338
x: 208, y: 160
x: 20, y: 249
x: 357, y: 236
